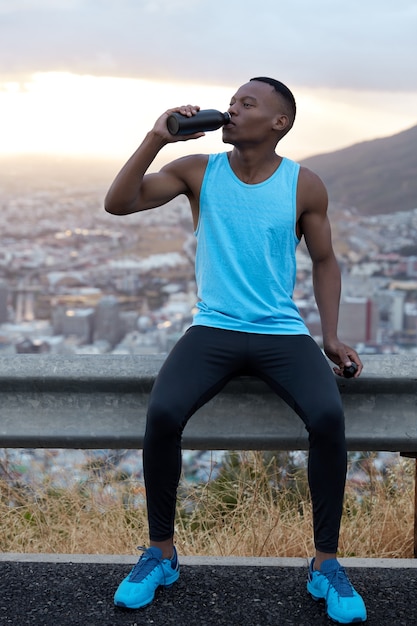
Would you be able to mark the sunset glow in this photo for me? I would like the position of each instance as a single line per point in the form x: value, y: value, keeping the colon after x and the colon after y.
x: 64, y: 113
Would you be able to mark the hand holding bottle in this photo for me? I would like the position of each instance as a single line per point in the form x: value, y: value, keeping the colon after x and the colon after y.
x: 200, y: 122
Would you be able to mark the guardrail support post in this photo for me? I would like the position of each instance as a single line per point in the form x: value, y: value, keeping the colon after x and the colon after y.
x: 413, y: 455
x: 415, y: 509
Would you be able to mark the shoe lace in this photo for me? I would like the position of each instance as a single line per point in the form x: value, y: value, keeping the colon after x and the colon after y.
x: 144, y: 566
x: 340, y: 582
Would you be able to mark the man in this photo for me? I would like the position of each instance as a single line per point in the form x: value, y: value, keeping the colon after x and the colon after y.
x: 250, y: 208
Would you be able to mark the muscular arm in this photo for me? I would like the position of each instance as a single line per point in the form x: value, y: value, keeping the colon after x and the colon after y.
x: 314, y: 225
x: 134, y: 190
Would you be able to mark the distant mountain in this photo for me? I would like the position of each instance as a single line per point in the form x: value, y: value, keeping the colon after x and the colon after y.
x: 374, y: 177
x: 378, y: 176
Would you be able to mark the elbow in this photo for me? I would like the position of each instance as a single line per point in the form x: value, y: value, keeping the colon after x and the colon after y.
x: 114, y: 207
x: 110, y: 205
x: 109, y: 208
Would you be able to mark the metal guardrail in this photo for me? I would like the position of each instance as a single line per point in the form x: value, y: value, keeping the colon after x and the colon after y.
x: 88, y: 402
x: 100, y: 402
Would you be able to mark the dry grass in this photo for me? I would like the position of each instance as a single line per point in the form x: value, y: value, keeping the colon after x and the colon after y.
x: 251, y: 509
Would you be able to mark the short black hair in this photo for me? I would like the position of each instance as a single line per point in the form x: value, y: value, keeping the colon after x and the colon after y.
x: 283, y: 91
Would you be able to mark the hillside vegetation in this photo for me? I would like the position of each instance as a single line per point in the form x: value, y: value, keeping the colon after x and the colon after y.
x: 374, y: 177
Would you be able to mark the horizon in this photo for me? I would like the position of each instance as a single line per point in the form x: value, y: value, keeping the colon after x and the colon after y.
x: 180, y: 148
x: 49, y: 116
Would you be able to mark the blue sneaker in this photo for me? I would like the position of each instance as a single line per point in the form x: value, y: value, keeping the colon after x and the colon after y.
x: 344, y: 605
x: 150, y: 572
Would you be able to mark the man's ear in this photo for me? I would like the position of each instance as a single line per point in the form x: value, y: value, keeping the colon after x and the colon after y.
x: 281, y: 123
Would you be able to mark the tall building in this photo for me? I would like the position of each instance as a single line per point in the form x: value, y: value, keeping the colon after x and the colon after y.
x: 4, y: 295
x: 74, y: 323
x: 358, y: 321
x: 108, y: 325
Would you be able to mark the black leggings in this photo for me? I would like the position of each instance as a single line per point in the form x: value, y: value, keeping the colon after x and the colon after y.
x: 198, y: 367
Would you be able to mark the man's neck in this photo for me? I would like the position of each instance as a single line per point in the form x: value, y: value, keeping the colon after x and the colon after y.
x: 251, y: 167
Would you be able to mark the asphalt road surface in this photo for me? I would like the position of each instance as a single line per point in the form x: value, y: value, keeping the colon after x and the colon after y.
x: 66, y: 594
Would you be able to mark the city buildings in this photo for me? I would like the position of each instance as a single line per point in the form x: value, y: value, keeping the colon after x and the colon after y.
x: 74, y: 279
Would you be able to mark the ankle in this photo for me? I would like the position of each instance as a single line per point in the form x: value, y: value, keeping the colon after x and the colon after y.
x: 321, y: 557
x: 166, y: 547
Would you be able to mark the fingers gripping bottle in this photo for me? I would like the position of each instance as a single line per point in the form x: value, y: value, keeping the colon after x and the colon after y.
x: 208, y: 119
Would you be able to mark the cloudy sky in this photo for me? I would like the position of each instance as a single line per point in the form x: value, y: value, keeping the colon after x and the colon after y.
x: 90, y: 76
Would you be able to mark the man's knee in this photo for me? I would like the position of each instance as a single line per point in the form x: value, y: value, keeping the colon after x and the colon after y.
x: 328, y: 423
x: 162, y: 418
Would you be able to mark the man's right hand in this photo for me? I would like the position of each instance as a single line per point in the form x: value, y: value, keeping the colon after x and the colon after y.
x: 160, y: 128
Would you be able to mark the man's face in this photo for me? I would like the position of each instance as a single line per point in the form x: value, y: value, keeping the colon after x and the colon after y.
x: 254, y: 109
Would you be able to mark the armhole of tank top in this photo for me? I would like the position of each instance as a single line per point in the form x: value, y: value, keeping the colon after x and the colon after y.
x: 295, y: 189
x: 202, y: 190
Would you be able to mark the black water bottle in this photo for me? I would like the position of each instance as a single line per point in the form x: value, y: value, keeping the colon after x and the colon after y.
x: 208, y: 119
x: 349, y: 372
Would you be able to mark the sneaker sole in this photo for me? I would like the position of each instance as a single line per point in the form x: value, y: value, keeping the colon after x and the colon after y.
x: 355, y: 620
x: 148, y: 601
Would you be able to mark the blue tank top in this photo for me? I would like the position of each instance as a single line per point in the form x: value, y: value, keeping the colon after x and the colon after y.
x: 246, y: 244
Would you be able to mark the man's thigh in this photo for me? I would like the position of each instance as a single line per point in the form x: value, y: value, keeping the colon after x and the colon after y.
x: 198, y: 367
x: 295, y: 367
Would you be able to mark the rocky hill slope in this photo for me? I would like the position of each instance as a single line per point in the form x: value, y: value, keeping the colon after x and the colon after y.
x: 374, y: 177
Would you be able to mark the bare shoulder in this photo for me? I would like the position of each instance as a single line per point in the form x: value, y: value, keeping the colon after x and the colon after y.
x: 188, y: 167
x: 190, y: 171
x: 311, y: 191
